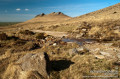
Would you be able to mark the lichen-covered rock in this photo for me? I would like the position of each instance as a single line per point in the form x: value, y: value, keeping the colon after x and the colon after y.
x: 30, y: 66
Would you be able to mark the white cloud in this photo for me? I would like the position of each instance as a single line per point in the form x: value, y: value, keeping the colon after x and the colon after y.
x: 18, y: 9
x: 26, y: 9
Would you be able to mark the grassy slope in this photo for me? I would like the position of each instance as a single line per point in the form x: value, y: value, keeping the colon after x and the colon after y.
x: 7, y: 23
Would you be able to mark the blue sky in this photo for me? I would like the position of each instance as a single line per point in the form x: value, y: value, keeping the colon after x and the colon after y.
x: 22, y: 10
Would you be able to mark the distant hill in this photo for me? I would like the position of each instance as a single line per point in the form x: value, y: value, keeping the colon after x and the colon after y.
x: 44, y: 20
x: 61, y: 22
x: 55, y: 16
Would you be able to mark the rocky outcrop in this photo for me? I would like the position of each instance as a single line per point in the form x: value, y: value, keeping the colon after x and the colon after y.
x: 30, y: 66
x: 40, y: 15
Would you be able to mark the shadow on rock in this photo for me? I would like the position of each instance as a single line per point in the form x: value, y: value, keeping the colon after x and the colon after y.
x: 59, y: 65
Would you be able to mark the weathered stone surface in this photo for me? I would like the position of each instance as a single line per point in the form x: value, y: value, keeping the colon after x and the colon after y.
x: 31, y: 65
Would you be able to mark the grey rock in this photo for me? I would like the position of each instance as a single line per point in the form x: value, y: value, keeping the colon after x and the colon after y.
x: 73, y: 51
x: 36, y: 65
x: 80, y: 50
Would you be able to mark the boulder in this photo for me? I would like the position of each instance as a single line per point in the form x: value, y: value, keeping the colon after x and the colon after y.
x: 30, y: 66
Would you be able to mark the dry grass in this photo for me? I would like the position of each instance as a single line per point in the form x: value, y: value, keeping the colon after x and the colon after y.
x: 64, y: 66
x: 94, y: 30
x: 79, y: 66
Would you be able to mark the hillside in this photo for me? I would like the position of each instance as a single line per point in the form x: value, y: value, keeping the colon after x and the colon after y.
x: 111, y: 12
x: 44, y: 20
x: 56, y: 46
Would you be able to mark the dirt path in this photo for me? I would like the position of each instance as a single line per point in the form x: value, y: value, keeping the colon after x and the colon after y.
x: 53, y: 33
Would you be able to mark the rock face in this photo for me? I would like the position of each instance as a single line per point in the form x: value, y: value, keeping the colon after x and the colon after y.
x: 31, y: 66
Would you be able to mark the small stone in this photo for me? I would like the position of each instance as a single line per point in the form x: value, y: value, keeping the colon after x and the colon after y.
x: 84, y: 29
x: 104, y: 53
x: 99, y: 57
x: 54, y: 44
x: 82, y: 50
x: 79, y: 35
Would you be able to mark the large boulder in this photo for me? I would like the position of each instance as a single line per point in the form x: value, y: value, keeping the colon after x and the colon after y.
x: 30, y: 66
